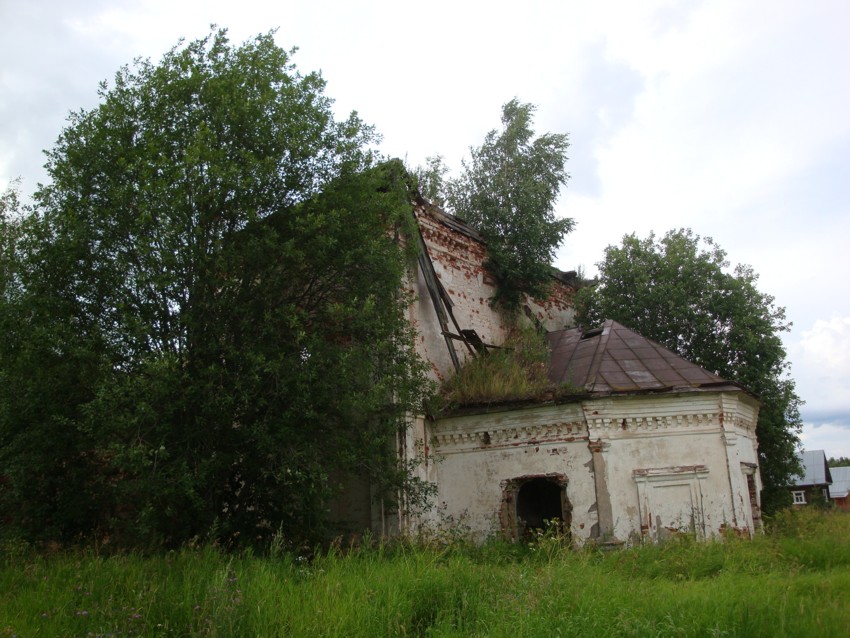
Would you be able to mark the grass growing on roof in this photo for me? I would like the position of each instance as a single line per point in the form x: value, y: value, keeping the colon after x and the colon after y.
x: 517, y: 371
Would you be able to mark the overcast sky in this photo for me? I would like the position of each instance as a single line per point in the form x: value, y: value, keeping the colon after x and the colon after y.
x: 728, y: 117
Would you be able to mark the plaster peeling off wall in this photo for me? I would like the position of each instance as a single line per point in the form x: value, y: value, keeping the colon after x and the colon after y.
x: 630, y: 467
x: 671, y: 501
x: 482, y: 461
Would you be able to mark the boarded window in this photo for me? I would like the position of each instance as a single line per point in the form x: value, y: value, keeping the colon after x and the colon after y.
x: 670, y: 500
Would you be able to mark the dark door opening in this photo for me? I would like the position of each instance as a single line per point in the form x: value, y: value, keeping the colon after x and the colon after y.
x: 539, y: 500
x: 754, y: 502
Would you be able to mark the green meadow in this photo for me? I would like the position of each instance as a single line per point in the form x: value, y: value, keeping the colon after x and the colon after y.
x: 792, y: 581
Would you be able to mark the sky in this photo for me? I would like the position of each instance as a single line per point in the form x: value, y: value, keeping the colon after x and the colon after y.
x: 731, y: 118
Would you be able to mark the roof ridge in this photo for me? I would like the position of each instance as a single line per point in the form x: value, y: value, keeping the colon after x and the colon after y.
x: 598, y: 353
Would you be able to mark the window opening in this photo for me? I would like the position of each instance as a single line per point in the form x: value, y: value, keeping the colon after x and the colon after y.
x: 754, y: 498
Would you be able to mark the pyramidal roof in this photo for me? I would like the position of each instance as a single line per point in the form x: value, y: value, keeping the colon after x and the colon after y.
x: 615, y: 359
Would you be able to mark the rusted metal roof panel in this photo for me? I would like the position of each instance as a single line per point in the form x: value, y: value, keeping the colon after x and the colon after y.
x: 617, y: 359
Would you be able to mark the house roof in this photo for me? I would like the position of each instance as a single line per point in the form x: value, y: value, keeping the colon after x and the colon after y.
x: 615, y: 359
x: 840, y: 482
x: 815, y: 469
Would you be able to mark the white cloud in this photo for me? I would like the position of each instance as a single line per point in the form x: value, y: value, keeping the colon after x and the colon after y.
x: 822, y: 368
x: 727, y: 112
x: 827, y: 345
x: 832, y: 439
x: 728, y: 117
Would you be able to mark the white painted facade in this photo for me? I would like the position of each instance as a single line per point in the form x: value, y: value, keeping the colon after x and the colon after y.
x: 631, y: 467
x: 621, y: 466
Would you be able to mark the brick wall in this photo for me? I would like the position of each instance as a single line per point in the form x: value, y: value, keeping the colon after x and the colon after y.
x: 458, y: 254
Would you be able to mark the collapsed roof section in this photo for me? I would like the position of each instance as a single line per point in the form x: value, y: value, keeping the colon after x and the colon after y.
x: 459, y: 225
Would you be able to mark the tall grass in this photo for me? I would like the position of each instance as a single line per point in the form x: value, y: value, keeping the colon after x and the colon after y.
x: 514, y: 372
x: 791, y: 582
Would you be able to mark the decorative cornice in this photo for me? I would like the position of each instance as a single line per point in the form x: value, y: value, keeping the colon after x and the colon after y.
x: 484, y: 436
x: 653, y: 423
x: 599, y: 446
x: 739, y: 421
x: 481, y: 433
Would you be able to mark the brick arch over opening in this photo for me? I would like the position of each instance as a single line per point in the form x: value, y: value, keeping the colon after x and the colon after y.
x: 527, y: 501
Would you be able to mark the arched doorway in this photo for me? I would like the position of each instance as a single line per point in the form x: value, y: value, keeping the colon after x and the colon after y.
x: 532, y: 503
x: 538, y: 501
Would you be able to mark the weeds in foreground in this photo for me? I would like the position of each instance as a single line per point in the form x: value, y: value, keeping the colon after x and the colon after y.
x: 789, y: 582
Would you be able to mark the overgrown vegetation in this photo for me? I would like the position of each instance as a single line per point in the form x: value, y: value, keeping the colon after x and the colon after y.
x: 791, y: 582
x: 201, y: 311
x: 514, y: 372
x: 507, y: 191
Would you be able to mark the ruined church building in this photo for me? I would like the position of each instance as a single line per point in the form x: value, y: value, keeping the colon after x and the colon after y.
x: 651, y: 445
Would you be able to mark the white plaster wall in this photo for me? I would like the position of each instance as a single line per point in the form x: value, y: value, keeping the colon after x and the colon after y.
x: 670, y: 455
x: 677, y: 431
x: 688, y: 446
x: 740, y: 418
x: 540, y: 440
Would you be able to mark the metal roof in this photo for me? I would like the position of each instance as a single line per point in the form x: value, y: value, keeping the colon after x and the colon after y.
x: 615, y: 359
x: 815, y: 469
x: 840, y: 482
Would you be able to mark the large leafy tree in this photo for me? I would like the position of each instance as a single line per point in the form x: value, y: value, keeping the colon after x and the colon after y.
x: 431, y: 179
x: 507, y: 191
x: 209, y: 329
x: 678, y: 290
x: 10, y: 222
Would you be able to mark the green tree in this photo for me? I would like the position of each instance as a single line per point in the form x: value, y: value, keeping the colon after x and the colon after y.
x: 10, y: 222
x: 677, y: 291
x: 507, y: 191
x: 841, y: 461
x: 431, y: 179
x: 210, y: 329
x: 45, y: 376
